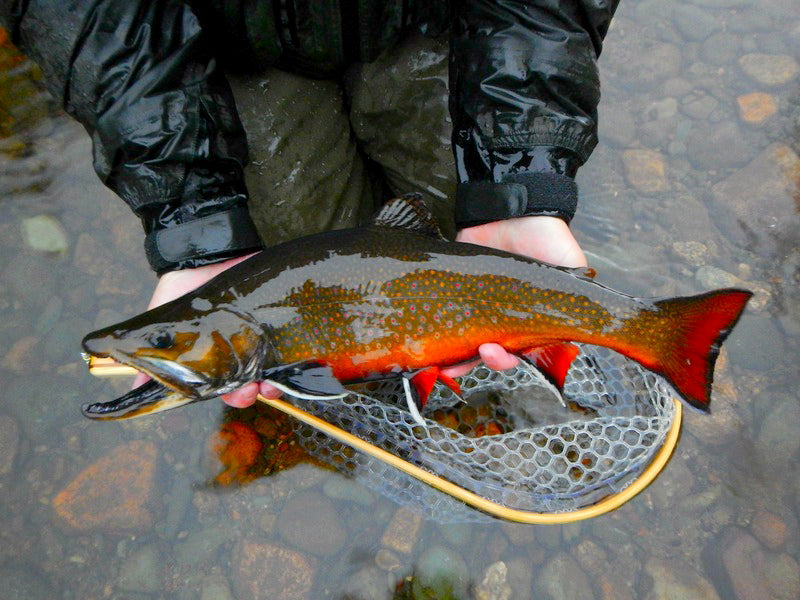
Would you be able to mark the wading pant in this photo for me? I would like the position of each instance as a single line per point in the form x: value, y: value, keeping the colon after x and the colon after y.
x: 325, y: 154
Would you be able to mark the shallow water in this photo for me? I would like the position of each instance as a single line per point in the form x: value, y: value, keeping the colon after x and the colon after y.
x: 695, y: 185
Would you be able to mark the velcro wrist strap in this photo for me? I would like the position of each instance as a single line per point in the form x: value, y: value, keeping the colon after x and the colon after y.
x: 222, y: 235
x: 518, y: 195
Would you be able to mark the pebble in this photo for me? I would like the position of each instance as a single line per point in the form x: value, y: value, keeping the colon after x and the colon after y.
x: 519, y: 534
x: 699, y: 105
x: 202, y: 545
x: 745, y: 561
x: 769, y: 69
x: 260, y: 569
x: 141, y: 572
x: 770, y: 529
x: 9, y: 443
x: 310, y: 522
x: 402, y: 533
x: 618, y: 127
x: 368, y: 584
x: 783, y: 577
x: 563, y: 579
x: 115, y: 493
x: 756, y: 107
x: 45, y: 233
x: 694, y: 23
x: 777, y: 442
x: 216, y: 587
x: 494, y: 585
x: 677, y: 581
x: 694, y: 253
x: 339, y: 487
x: 721, y: 49
x: 713, y: 146
x: 386, y: 560
x: 713, y: 277
x: 440, y: 573
x: 644, y: 170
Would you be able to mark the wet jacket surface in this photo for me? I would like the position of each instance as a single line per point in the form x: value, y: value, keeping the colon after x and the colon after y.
x: 145, y: 80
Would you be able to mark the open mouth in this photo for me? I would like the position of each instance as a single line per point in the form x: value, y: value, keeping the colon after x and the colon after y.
x: 171, y: 385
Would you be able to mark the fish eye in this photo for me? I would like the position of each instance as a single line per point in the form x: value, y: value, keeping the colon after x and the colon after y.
x: 161, y: 340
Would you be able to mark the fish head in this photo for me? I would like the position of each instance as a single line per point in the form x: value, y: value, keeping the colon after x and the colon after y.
x: 197, y: 353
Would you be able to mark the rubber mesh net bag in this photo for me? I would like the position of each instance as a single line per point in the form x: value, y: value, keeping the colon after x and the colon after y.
x: 512, y: 442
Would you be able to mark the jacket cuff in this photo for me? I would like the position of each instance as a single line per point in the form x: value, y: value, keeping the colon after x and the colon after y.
x: 517, y: 195
x: 202, y: 241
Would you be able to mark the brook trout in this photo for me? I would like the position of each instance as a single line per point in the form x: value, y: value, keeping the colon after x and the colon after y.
x: 395, y: 298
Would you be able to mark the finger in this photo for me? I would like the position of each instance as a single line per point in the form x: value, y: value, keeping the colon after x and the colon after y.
x: 243, y: 397
x: 495, y: 357
x: 459, y: 370
x: 269, y: 391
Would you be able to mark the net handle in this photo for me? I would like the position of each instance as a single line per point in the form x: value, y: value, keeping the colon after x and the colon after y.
x: 493, y: 508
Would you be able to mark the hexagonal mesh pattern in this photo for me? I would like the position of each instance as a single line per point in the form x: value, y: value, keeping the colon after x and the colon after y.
x: 512, y: 442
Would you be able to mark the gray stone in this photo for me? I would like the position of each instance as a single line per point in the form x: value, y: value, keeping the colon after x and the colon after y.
x: 695, y: 23
x: 616, y: 126
x: 713, y: 277
x: 19, y: 582
x: 494, y: 585
x: 717, y: 146
x: 783, y: 577
x: 200, y: 546
x: 694, y: 253
x: 756, y: 343
x: 750, y: 20
x: 745, y: 562
x: 721, y: 49
x: 141, y: 572
x: 9, y: 443
x: 339, y: 487
x: 778, y: 443
x: 677, y: 581
x: 310, y: 522
x: 563, y: 579
x: 440, y: 574
x: 45, y: 234
x: 699, y: 105
x: 367, y: 584
x: 769, y: 69
x: 216, y: 588
x: 641, y: 63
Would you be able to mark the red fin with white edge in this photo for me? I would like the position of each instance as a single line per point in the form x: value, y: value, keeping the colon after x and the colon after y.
x: 554, y: 360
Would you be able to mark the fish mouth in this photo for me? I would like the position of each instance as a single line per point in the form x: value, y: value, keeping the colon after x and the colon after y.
x: 171, y: 385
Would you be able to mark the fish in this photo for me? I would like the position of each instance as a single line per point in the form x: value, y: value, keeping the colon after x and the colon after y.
x: 394, y: 298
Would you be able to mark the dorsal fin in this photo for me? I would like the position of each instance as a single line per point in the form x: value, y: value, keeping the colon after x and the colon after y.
x: 408, y: 212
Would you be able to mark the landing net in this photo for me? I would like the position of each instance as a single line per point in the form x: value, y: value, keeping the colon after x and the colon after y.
x: 512, y: 443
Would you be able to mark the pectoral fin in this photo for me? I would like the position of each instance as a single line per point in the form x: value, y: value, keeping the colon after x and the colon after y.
x: 421, y: 385
x: 305, y: 380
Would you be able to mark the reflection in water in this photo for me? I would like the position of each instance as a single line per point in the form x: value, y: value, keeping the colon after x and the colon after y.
x: 694, y: 180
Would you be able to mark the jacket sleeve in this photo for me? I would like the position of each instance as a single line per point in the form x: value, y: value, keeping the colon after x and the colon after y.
x: 524, y: 89
x: 140, y: 76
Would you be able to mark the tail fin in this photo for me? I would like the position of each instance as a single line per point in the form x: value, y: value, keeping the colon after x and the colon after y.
x: 695, y: 329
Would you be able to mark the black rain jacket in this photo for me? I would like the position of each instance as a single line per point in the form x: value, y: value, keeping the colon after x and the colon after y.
x: 144, y: 78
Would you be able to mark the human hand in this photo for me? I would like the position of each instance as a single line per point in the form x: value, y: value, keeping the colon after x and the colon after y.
x: 174, y: 284
x: 548, y: 239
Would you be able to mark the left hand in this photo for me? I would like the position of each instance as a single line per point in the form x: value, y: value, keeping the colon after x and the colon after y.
x: 548, y: 239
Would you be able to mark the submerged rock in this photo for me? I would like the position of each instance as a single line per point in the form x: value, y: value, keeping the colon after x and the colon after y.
x: 45, y: 234
x: 310, y: 522
x: 264, y: 571
x: 141, y: 572
x: 494, y: 585
x: 441, y: 574
x: 563, y: 579
x: 9, y: 443
x: 115, y: 493
x: 403, y: 531
x: 770, y: 69
x: 677, y: 581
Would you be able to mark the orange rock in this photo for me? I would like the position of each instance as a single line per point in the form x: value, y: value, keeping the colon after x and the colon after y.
x: 115, y: 493
x: 21, y: 358
x: 645, y: 170
x: 756, y: 107
x: 267, y: 571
